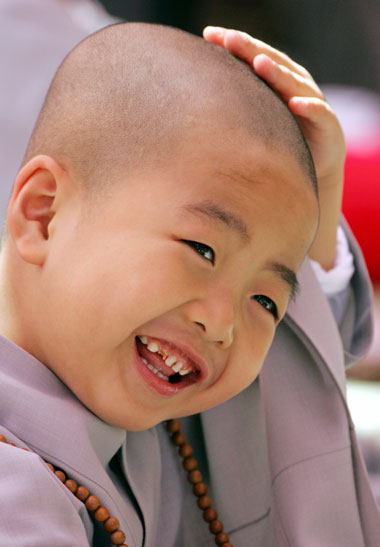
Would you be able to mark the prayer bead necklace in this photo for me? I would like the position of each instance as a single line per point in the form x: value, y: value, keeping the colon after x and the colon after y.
x: 190, y: 464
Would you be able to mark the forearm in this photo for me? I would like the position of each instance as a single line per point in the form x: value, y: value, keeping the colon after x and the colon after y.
x: 348, y: 289
x: 324, y: 246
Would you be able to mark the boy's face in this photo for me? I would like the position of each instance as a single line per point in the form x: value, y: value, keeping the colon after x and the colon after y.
x: 195, y: 259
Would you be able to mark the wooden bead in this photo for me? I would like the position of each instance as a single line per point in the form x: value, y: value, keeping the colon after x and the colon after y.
x: 82, y: 493
x: 221, y: 539
x: 204, y: 502
x: 60, y: 475
x: 71, y: 485
x: 102, y: 514
x: 92, y: 502
x: 185, y: 450
x: 194, y: 476
x: 111, y: 524
x: 210, y: 514
x: 173, y: 426
x: 190, y: 463
x: 118, y: 537
x: 179, y: 438
x: 216, y: 526
x: 200, y: 488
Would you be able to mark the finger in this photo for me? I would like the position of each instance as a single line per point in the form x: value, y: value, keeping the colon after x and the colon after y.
x: 284, y: 81
x: 245, y: 46
x: 294, y: 80
x: 239, y: 43
x: 315, y: 110
x: 319, y: 125
x: 215, y: 35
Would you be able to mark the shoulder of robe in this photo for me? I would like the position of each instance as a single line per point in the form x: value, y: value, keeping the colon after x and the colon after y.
x: 36, y: 508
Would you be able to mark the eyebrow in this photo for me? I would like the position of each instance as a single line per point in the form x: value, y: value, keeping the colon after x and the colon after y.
x: 216, y: 213
x: 233, y: 222
x: 287, y: 275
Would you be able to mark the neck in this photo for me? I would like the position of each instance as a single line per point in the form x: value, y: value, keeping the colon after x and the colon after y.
x: 18, y: 306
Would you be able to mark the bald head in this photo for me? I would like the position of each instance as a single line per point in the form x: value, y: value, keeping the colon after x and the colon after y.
x: 126, y: 95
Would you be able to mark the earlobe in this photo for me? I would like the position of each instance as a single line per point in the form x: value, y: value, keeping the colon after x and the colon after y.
x: 31, y: 208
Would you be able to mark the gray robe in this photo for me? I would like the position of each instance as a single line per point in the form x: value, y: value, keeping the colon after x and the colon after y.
x: 281, y: 458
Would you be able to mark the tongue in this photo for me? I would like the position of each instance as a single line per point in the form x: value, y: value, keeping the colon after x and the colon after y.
x: 154, y: 359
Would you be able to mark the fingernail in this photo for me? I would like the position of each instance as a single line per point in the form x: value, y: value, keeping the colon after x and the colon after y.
x: 217, y: 30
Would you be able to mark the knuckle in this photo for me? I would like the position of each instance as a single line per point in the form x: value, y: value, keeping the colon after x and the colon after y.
x: 306, y: 73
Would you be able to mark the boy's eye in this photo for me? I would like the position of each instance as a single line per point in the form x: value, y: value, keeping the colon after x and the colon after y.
x: 267, y: 303
x: 201, y: 249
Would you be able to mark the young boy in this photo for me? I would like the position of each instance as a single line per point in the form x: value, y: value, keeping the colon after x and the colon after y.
x: 165, y: 203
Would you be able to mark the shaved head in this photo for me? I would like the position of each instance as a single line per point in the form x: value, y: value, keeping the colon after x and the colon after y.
x: 167, y: 194
x: 126, y: 95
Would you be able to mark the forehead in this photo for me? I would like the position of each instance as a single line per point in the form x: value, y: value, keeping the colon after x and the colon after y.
x: 218, y: 141
x: 239, y: 162
x: 221, y: 163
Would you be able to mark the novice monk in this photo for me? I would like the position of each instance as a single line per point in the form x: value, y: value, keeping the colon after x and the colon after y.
x: 166, y: 201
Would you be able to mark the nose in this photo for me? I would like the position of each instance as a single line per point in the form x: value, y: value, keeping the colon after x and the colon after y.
x: 216, y: 317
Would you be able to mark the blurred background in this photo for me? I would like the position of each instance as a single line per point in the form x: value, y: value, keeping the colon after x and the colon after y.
x: 338, y: 41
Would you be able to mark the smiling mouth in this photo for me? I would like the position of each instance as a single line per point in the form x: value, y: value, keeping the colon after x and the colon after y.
x: 167, y: 361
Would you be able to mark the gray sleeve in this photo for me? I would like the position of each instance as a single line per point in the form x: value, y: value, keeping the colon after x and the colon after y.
x: 352, y: 308
x: 36, y: 509
x: 339, y: 303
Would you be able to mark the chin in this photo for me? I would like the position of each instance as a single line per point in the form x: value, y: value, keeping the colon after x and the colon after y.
x: 131, y: 423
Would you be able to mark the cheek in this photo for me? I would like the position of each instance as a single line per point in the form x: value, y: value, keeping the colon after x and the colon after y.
x: 244, y: 364
x: 118, y: 290
x: 245, y: 368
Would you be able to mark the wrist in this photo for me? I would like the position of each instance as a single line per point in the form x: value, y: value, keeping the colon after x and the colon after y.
x: 338, y: 278
x: 330, y: 199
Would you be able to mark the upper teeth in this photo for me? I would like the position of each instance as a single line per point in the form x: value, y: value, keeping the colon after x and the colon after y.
x: 152, y: 346
x: 177, y: 367
x: 170, y: 360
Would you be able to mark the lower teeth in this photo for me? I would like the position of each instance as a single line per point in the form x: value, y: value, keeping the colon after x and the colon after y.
x: 172, y: 379
x: 155, y: 370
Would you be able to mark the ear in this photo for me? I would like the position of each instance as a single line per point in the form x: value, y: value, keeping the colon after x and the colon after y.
x: 31, y: 209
